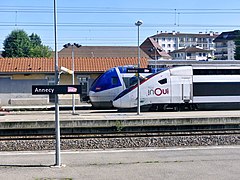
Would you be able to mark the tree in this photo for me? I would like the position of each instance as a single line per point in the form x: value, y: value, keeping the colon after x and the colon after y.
x: 19, y: 44
x: 35, y: 39
x: 16, y: 44
x: 40, y: 51
x: 237, y: 47
x: 37, y: 49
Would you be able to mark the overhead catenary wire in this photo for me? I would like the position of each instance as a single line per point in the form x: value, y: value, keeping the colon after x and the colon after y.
x: 111, y: 27
x: 80, y: 10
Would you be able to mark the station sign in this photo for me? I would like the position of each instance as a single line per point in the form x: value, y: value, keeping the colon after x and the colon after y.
x: 138, y: 70
x: 56, y: 89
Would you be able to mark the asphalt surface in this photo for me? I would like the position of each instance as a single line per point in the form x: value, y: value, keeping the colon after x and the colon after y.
x: 175, y: 163
x: 219, y: 163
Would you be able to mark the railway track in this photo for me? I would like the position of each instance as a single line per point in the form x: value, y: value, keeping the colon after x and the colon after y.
x: 29, y: 131
x: 123, y: 135
x: 120, y: 140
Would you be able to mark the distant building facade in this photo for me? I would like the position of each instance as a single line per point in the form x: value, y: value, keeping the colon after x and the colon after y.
x: 191, y: 53
x: 175, y: 40
x: 154, y: 50
x: 225, y: 45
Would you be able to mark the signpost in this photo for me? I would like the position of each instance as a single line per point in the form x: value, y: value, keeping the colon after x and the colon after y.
x: 56, y: 89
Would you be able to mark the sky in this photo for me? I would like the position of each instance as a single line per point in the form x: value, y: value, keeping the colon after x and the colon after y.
x: 112, y: 22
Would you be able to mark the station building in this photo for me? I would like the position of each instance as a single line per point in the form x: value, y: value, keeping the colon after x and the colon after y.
x: 17, y: 75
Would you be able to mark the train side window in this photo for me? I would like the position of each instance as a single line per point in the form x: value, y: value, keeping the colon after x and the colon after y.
x: 163, y: 81
x: 114, y: 80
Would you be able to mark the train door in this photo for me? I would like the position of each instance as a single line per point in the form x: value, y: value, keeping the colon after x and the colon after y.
x: 186, y: 83
x: 181, y: 89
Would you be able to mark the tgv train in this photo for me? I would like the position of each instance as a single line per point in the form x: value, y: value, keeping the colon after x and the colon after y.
x: 106, y: 87
x: 186, y: 87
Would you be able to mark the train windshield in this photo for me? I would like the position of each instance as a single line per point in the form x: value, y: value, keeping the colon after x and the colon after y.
x: 107, y: 80
x: 134, y: 80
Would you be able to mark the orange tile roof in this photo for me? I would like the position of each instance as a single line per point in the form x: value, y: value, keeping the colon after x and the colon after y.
x: 47, y: 65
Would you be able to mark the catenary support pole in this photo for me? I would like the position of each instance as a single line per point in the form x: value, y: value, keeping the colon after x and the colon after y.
x: 57, y: 122
x: 73, y: 95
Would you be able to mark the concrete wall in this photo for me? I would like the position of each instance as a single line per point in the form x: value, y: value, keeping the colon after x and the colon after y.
x: 19, y: 92
x: 17, y: 89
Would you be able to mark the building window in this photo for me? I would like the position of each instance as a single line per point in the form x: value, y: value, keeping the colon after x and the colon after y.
x: 51, y: 81
x: 5, y: 77
x: 83, y: 80
x: 169, y: 45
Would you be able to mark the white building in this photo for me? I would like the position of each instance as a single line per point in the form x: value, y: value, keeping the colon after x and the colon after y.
x: 191, y: 53
x: 225, y: 45
x: 176, y: 40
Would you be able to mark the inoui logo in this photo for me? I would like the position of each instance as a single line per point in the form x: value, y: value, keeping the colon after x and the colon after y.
x: 158, y: 91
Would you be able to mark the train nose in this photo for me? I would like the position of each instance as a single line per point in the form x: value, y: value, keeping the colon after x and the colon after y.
x: 124, y: 102
x: 117, y: 103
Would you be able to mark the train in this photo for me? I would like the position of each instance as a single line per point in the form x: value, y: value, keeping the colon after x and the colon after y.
x: 107, y: 86
x: 186, y: 88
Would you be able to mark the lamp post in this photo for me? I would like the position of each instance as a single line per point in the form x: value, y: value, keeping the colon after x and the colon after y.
x: 138, y: 24
x: 73, y: 69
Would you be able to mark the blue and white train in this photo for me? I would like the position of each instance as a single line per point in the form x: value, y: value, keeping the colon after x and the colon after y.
x: 107, y: 86
x: 186, y: 87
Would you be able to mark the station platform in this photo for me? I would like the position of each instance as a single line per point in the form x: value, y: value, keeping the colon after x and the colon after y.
x: 109, y: 118
x: 144, y: 163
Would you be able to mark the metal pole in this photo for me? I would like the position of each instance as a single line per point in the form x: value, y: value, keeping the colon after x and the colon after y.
x: 73, y: 95
x: 57, y: 123
x: 138, y: 89
x: 155, y: 58
x: 138, y: 24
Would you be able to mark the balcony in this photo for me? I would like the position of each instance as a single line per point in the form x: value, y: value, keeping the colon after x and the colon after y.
x: 221, y: 53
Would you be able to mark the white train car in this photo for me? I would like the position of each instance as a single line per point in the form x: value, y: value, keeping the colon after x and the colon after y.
x: 186, y: 87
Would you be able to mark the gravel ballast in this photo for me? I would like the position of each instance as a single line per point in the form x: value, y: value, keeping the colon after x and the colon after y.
x: 127, y: 142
